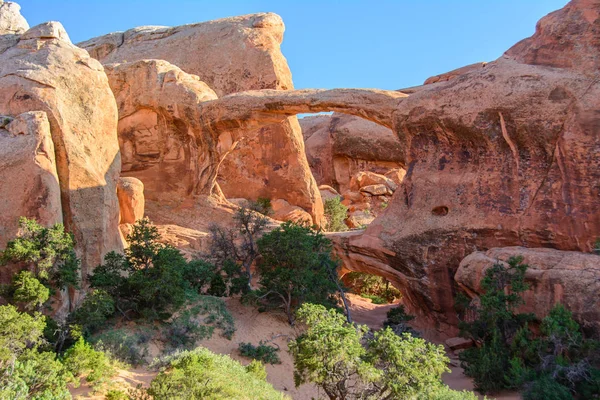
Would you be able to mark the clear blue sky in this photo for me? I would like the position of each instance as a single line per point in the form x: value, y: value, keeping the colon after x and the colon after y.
x: 373, y: 44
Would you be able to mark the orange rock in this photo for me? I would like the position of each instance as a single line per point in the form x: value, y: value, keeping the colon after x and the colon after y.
x: 28, y: 174
x: 130, y: 192
x: 284, y: 211
x: 45, y: 72
x: 554, y: 276
x: 233, y: 55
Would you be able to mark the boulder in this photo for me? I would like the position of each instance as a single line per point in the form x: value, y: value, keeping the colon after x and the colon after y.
x: 28, y: 171
x: 45, y: 72
x: 11, y: 20
x: 160, y: 129
x: 376, y: 190
x: 366, y: 178
x: 458, y: 343
x: 327, y: 192
x: 284, y: 211
x: 233, y: 55
x: 554, y: 276
x: 130, y: 192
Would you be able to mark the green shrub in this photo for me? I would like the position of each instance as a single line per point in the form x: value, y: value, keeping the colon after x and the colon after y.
x: 115, y: 394
x: 443, y: 392
x: 216, y: 314
x: 296, y: 267
x: 335, y: 215
x: 201, y: 374
x: 94, y: 311
x: 263, y: 352
x: 397, y: 315
x: 257, y: 369
x: 546, y: 388
x: 83, y: 361
x: 342, y: 360
x: 128, y: 347
x: 373, y: 287
x: 184, y: 331
x: 262, y: 205
x: 47, y: 251
x: 28, y: 291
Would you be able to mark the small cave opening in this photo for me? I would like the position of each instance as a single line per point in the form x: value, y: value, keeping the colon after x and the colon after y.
x: 440, y: 211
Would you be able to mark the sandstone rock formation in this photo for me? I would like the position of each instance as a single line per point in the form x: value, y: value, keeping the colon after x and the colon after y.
x: 233, y: 55
x: 554, y: 276
x: 43, y: 71
x: 28, y: 173
x: 338, y: 146
x: 11, y: 20
x: 130, y: 192
x: 503, y: 155
x: 160, y: 129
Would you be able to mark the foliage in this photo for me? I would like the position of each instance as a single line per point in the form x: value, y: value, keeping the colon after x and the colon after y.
x: 397, y: 315
x: 201, y: 374
x: 29, y: 291
x: 335, y: 214
x: 83, y: 361
x: 25, y: 371
x: 235, y: 250
x: 262, y: 205
x: 128, y: 347
x: 47, y: 251
x: 93, y: 312
x: 557, y: 362
x: 296, y: 267
x: 258, y: 369
x: 373, y: 287
x: 345, y: 362
x: 443, y: 392
x: 115, y: 394
x: 263, y: 352
x: 184, y: 331
x: 216, y: 314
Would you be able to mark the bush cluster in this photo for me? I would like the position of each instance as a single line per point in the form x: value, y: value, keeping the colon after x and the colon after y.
x: 335, y: 215
x: 553, y: 362
x: 373, y: 287
x: 264, y: 353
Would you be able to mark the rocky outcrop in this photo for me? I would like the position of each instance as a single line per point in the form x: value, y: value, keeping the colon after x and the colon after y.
x: 45, y: 72
x: 11, y: 20
x: 506, y: 155
x: 160, y: 128
x: 233, y: 55
x: 566, y: 277
x: 28, y: 173
x: 338, y: 146
x: 130, y: 192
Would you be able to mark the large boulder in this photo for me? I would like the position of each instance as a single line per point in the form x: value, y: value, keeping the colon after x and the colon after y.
x: 130, y: 192
x: 554, y: 276
x: 160, y: 129
x: 232, y: 55
x: 43, y: 71
x: 11, y: 20
x: 28, y: 171
x: 504, y: 155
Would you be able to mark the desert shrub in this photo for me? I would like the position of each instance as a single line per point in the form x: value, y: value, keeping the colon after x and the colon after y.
x: 335, y: 215
x: 83, y: 361
x: 48, y: 252
x: 373, y: 287
x: 345, y: 362
x: 184, y: 331
x: 263, y: 352
x: 262, y: 205
x: 257, y: 369
x: 296, y: 267
x: 93, y: 312
x: 215, y: 314
x: 556, y: 362
x: 130, y: 347
x: 27, y: 372
x: 115, y: 394
x: 28, y: 291
x: 201, y: 374
x: 443, y: 392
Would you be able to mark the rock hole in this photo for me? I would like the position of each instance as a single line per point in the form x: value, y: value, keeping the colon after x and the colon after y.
x: 440, y: 211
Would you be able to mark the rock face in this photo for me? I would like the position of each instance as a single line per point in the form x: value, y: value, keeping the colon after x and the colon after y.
x: 500, y: 156
x: 45, y: 72
x: 339, y: 146
x: 554, y: 276
x: 233, y: 55
x: 11, y: 20
x: 160, y: 129
x: 130, y: 192
x: 28, y: 173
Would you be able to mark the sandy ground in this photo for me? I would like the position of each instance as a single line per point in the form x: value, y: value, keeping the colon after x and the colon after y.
x: 253, y: 327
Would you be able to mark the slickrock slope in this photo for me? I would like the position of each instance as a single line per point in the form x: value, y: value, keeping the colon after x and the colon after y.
x: 28, y: 173
x: 233, y: 55
x: 160, y: 129
x: 554, y: 276
x: 506, y: 155
x: 45, y: 72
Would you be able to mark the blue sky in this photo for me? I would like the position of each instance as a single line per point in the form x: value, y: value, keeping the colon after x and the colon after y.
x: 373, y: 44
